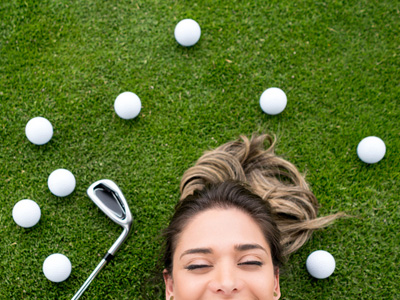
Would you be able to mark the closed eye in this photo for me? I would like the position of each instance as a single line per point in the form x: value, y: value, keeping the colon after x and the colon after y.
x: 196, y: 267
x: 251, y: 263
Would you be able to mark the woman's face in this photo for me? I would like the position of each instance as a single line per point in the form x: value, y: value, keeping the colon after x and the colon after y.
x: 222, y: 254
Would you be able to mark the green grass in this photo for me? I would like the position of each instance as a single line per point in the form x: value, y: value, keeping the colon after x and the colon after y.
x: 337, y: 61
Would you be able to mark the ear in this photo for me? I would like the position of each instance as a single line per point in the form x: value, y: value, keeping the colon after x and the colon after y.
x: 169, y: 284
x: 277, y: 288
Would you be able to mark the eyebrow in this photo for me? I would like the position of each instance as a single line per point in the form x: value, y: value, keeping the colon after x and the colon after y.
x: 246, y: 247
x: 239, y: 247
x: 197, y: 251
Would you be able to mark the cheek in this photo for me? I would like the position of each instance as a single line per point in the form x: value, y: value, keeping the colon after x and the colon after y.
x: 189, y: 287
x: 261, y: 285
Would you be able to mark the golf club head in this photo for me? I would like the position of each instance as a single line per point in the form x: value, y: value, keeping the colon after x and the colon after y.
x: 109, y: 198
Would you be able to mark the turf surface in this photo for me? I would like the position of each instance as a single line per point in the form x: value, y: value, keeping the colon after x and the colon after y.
x: 67, y: 61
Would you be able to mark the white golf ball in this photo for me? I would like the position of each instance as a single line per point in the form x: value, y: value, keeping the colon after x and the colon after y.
x: 39, y: 130
x: 320, y: 264
x: 273, y: 101
x: 371, y: 149
x: 187, y: 32
x: 61, y: 182
x: 26, y: 213
x: 57, y: 267
x: 127, y: 105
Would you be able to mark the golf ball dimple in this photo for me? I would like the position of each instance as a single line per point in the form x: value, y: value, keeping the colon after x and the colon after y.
x: 320, y: 264
x: 273, y: 101
x: 39, y: 130
x: 127, y: 105
x: 371, y: 149
x: 26, y: 213
x: 187, y: 32
x: 61, y: 182
x: 57, y: 267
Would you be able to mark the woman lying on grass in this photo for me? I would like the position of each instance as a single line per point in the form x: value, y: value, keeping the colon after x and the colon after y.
x: 242, y: 211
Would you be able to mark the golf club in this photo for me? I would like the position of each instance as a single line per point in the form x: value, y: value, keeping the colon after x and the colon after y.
x: 109, y: 198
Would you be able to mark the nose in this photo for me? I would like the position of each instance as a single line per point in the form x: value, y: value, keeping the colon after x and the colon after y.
x: 225, y: 281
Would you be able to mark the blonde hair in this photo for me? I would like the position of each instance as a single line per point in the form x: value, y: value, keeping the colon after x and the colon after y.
x: 277, y: 181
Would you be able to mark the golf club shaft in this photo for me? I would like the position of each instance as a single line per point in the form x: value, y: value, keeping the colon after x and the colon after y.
x: 90, y: 279
x: 111, y: 252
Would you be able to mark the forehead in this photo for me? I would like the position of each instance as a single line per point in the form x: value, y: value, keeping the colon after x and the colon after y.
x: 220, y: 228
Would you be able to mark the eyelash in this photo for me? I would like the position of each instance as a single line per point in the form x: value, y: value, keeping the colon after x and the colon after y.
x: 194, y: 267
x: 247, y: 263
x: 252, y: 263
